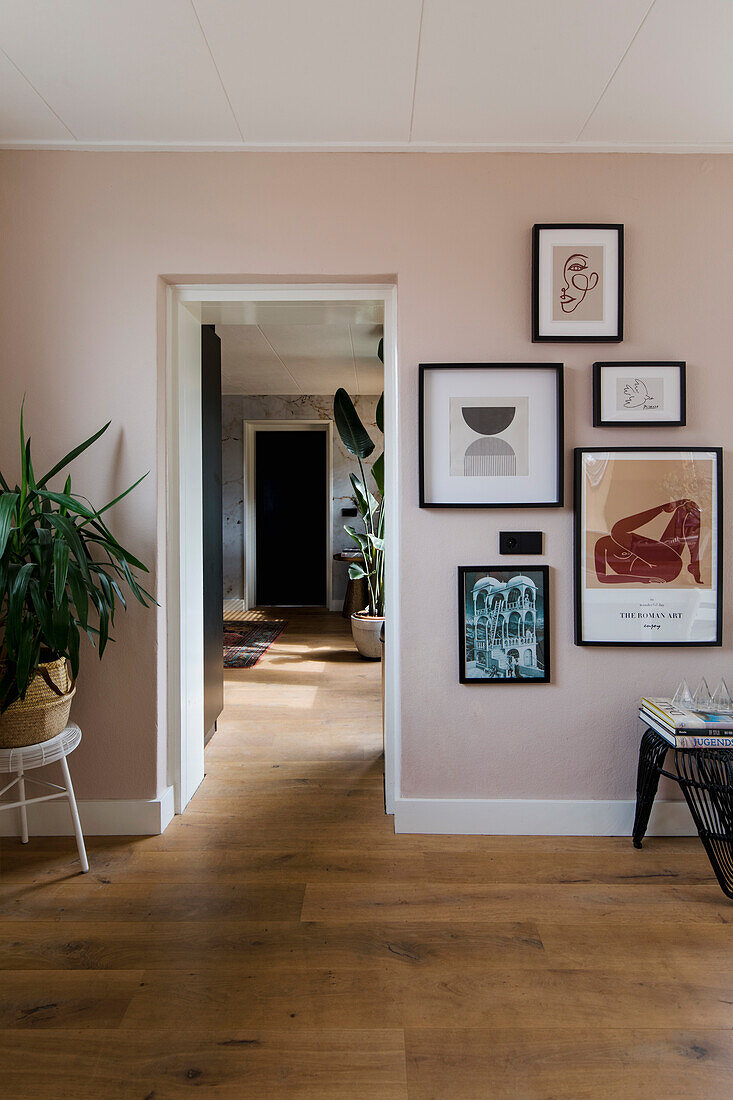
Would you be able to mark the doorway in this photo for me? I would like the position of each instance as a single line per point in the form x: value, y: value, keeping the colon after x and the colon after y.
x: 181, y: 659
x: 287, y: 486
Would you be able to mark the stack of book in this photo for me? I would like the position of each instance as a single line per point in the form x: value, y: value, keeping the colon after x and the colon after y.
x: 687, y: 729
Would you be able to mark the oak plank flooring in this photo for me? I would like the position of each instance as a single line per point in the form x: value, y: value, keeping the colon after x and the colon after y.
x: 279, y: 940
x: 345, y: 865
x: 272, y: 946
x: 430, y: 996
x: 116, y: 901
x: 577, y: 1064
x: 464, y: 901
x: 64, y: 998
x: 166, y: 1065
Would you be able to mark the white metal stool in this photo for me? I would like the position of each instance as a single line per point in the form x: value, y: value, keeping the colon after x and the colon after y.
x: 27, y: 757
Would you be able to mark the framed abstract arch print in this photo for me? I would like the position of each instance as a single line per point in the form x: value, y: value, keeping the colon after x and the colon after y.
x: 578, y: 283
x: 648, y: 546
x: 491, y: 435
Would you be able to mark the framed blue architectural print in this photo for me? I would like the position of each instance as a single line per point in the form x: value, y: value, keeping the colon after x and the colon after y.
x: 503, y: 615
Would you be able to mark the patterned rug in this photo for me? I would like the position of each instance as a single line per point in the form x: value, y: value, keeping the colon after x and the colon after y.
x: 245, y: 640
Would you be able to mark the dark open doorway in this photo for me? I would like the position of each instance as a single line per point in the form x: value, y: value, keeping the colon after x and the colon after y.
x: 291, y: 518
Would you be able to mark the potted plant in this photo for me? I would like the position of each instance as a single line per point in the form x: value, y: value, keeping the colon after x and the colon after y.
x: 366, y: 625
x: 62, y: 572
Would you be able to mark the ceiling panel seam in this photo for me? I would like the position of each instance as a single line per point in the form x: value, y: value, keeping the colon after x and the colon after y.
x: 35, y: 89
x: 417, y: 66
x: 216, y: 68
x: 285, y: 365
x: 610, y: 80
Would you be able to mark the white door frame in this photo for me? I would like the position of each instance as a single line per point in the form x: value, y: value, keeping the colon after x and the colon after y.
x: 180, y: 620
x: 251, y: 428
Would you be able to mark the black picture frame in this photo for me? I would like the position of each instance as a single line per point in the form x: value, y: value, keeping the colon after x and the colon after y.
x: 598, y: 420
x: 516, y: 571
x: 558, y: 369
x: 579, y: 452
x: 537, y: 336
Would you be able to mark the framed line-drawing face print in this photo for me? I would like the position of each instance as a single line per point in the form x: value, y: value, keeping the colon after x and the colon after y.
x: 577, y: 283
x: 503, y: 615
x: 648, y: 546
x: 637, y: 393
x: 491, y: 435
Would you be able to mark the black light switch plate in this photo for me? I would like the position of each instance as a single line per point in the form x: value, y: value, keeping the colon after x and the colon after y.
x: 520, y: 542
x: 348, y: 511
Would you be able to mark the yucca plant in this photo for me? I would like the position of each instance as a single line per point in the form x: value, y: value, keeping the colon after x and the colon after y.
x: 359, y: 443
x: 61, y: 572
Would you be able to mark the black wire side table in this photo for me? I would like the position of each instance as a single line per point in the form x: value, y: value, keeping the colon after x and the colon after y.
x: 706, y: 779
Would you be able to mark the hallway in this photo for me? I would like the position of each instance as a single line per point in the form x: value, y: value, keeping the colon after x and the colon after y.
x: 279, y: 941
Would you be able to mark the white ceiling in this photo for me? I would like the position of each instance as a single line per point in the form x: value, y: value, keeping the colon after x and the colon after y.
x: 304, y: 347
x: 374, y: 74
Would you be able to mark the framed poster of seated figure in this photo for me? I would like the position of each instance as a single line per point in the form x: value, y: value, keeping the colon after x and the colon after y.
x: 648, y: 546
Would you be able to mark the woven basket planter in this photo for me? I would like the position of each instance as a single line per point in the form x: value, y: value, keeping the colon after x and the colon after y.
x: 44, y: 712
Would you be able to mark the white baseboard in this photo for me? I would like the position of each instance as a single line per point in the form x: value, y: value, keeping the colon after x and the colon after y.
x: 530, y: 817
x: 103, y: 817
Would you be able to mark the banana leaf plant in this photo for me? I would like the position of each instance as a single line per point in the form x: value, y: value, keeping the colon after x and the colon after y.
x: 359, y: 443
x: 62, y: 572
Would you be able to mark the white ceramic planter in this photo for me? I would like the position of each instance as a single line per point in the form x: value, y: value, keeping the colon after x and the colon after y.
x: 365, y: 631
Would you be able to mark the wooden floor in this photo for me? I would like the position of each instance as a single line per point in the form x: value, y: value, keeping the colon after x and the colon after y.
x: 279, y: 941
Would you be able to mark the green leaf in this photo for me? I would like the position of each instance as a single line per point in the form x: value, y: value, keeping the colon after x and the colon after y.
x: 67, y: 491
x: 361, y: 540
x: 8, y: 502
x: 378, y: 473
x: 120, y: 595
x: 23, y: 467
x: 67, y: 528
x: 109, y: 595
x: 61, y: 621
x: 111, y: 545
x: 377, y: 543
x: 119, y: 498
x: 136, y: 591
x: 356, y: 572
x: 103, y: 625
x: 354, y: 435
x: 79, y: 595
x: 366, y: 503
x: 43, y: 611
x: 29, y: 466
x: 16, y: 602
x: 60, y: 569
x: 74, y: 649
x: 67, y: 502
x: 72, y: 455
x: 380, y: 350
x: 380, y: 413
x: 24, y: 662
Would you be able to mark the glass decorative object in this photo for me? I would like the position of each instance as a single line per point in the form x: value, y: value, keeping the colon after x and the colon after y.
x: 683, y: 696
x: 721, y: 701
x: 703, y: 699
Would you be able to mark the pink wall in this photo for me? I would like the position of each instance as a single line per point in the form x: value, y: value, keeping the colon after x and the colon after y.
x: 86, y: 237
